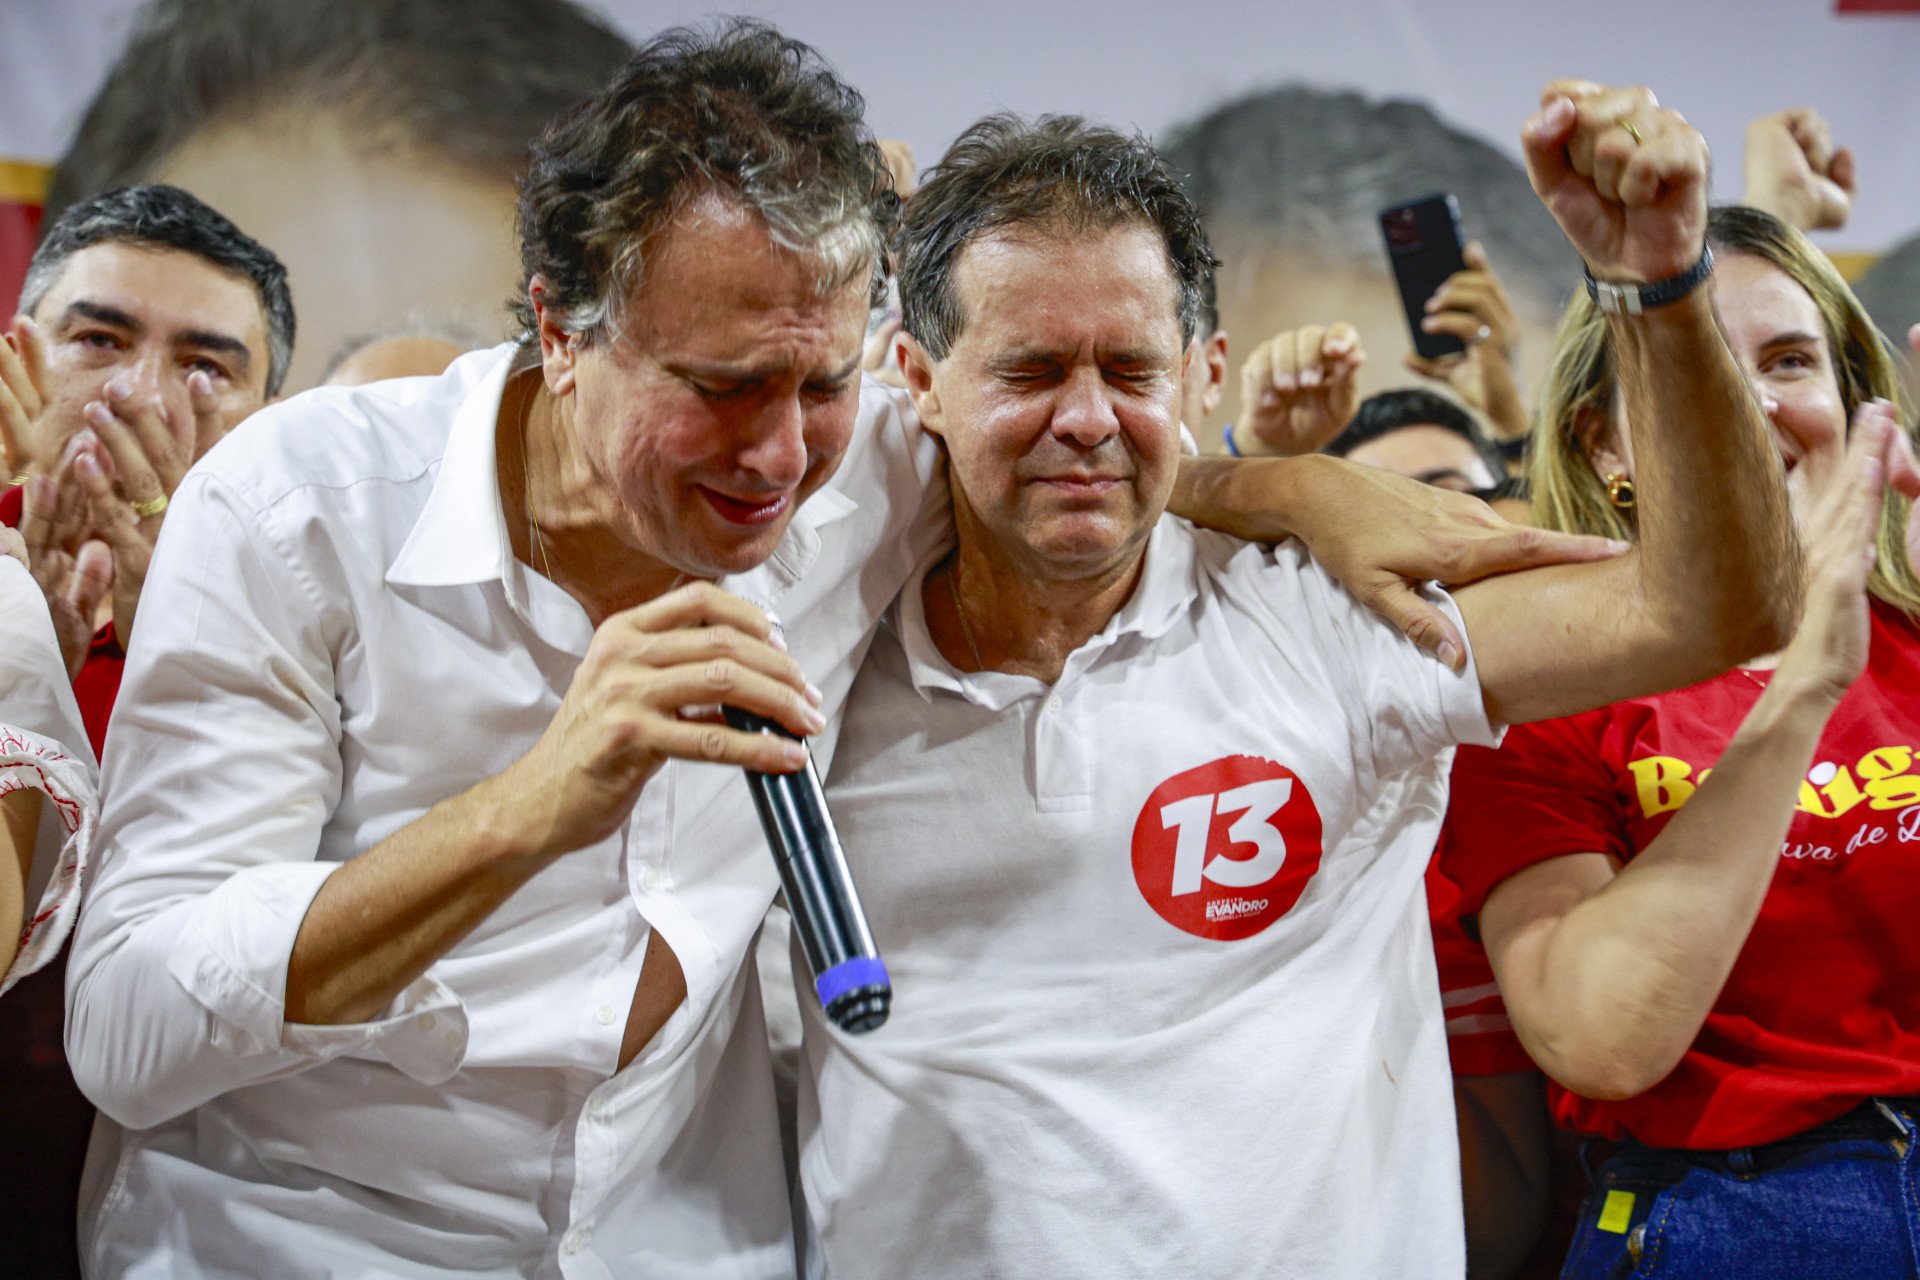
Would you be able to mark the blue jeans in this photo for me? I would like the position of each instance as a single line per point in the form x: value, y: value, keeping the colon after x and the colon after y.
x: 1836, y: 1203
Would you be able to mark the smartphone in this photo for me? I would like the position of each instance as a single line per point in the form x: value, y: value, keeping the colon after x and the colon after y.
x: 1424, y: 246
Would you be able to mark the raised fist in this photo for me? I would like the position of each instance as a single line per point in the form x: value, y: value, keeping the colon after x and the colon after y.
x: 1796, y: 173
x: 1625, y: 178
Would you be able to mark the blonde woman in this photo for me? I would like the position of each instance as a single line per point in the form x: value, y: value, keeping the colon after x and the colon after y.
x: 1718, y: 973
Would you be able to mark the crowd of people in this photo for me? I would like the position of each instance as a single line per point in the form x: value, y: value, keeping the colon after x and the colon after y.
x: 1451, y: 831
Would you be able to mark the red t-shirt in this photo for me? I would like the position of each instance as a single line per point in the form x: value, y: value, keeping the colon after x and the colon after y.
x: 1480, y: 1039
x: 98, y: 683
x: 1822, y: 1009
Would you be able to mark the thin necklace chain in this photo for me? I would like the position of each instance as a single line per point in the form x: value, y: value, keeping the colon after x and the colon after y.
x: 966, y: 628
x: 533, y: 525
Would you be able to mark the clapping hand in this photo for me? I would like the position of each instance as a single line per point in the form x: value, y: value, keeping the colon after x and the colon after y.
x: 75, y: 572
x: 1298, y: 389
x: 128, y: 463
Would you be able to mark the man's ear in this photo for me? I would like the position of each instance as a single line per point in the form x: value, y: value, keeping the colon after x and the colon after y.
x: 919, y: 366
x: 559, y: 349
x: 1215, y: 353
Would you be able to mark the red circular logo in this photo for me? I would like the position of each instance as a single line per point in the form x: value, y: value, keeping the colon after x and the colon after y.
x: 1224, y: 850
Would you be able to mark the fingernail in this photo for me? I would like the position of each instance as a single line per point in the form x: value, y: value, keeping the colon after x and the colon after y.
x: 1449, y: 654
x: 795, y: 753
x: 814, y: 695
x: 1311, y: 378
x: 1618, y: 546
x: 1284, y: 382
x: 89, y: 464
x: 96, y: 413
x: 814, y: 721
x: 117, y: 389
x: 777, y: 640
x: 1429, y: 325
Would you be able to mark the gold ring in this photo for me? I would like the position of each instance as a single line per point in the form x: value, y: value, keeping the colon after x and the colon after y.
x: 148, y: 510
x: 19, y: 480
x: 1631, y: 131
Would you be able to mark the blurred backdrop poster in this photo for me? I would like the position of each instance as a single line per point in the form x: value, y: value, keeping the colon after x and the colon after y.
x: 373, y: 143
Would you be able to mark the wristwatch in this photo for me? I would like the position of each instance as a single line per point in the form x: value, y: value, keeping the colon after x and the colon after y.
x: 1617, y: 299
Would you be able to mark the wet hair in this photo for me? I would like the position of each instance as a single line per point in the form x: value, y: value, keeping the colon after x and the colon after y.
x: 157, y: 216
x: 473, y: 81
x: 1391, y: 411
x: 741, y: 112
x: 1209, y: 318
x: 1058, y: 174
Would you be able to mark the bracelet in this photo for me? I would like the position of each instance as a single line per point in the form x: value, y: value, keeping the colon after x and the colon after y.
x: 1616, y: 299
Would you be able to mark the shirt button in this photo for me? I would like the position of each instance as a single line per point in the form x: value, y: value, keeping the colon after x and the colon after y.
x: 1053, y: 704
x: 575, y: 1241
x: 604, y: 1015
x: 426, y: 1021
x: 650, y: 880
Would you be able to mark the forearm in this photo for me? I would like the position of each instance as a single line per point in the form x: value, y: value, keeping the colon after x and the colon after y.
x: 1505, y: 407
x: 1719, y: 567
x: 281, y: 966
x: 384, y: 917
x: 19, y: 827
x: 1256, y: 498
x: 1609, y: 995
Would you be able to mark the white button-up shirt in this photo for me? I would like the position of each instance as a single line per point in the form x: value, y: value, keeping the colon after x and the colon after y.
x: 43, y: 748
x: 338, y: 636
x: 1166, y: 994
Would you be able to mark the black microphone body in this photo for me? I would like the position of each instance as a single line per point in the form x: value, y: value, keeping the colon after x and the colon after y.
x: 849, y: 976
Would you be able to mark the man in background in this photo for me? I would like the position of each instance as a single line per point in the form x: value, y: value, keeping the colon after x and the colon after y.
x: 149, y: 326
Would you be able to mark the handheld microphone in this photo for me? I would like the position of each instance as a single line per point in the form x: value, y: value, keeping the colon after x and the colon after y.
x: 849, y: 976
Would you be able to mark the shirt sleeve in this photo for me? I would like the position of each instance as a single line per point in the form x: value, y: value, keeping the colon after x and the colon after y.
x: 1411, y: 707
x: 224, y: 770
x: 1545, y: 793
x: 43, y: 747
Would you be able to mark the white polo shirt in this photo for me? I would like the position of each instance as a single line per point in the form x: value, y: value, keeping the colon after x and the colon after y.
x: 1164, y: 996
x: 338, y: 636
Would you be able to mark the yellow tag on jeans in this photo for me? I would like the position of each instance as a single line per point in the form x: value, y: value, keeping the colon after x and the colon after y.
x: 1616, y: 1212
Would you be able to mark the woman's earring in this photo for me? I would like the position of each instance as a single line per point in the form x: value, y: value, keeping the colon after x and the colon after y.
x: 1620, y: 491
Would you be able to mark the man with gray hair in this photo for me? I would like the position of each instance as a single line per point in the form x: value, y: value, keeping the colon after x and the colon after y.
x: 149, y: 326
x: 399, y: 889
x: 426, y: 871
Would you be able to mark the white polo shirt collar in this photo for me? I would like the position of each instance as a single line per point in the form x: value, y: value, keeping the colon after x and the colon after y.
x: 1163, y: 594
